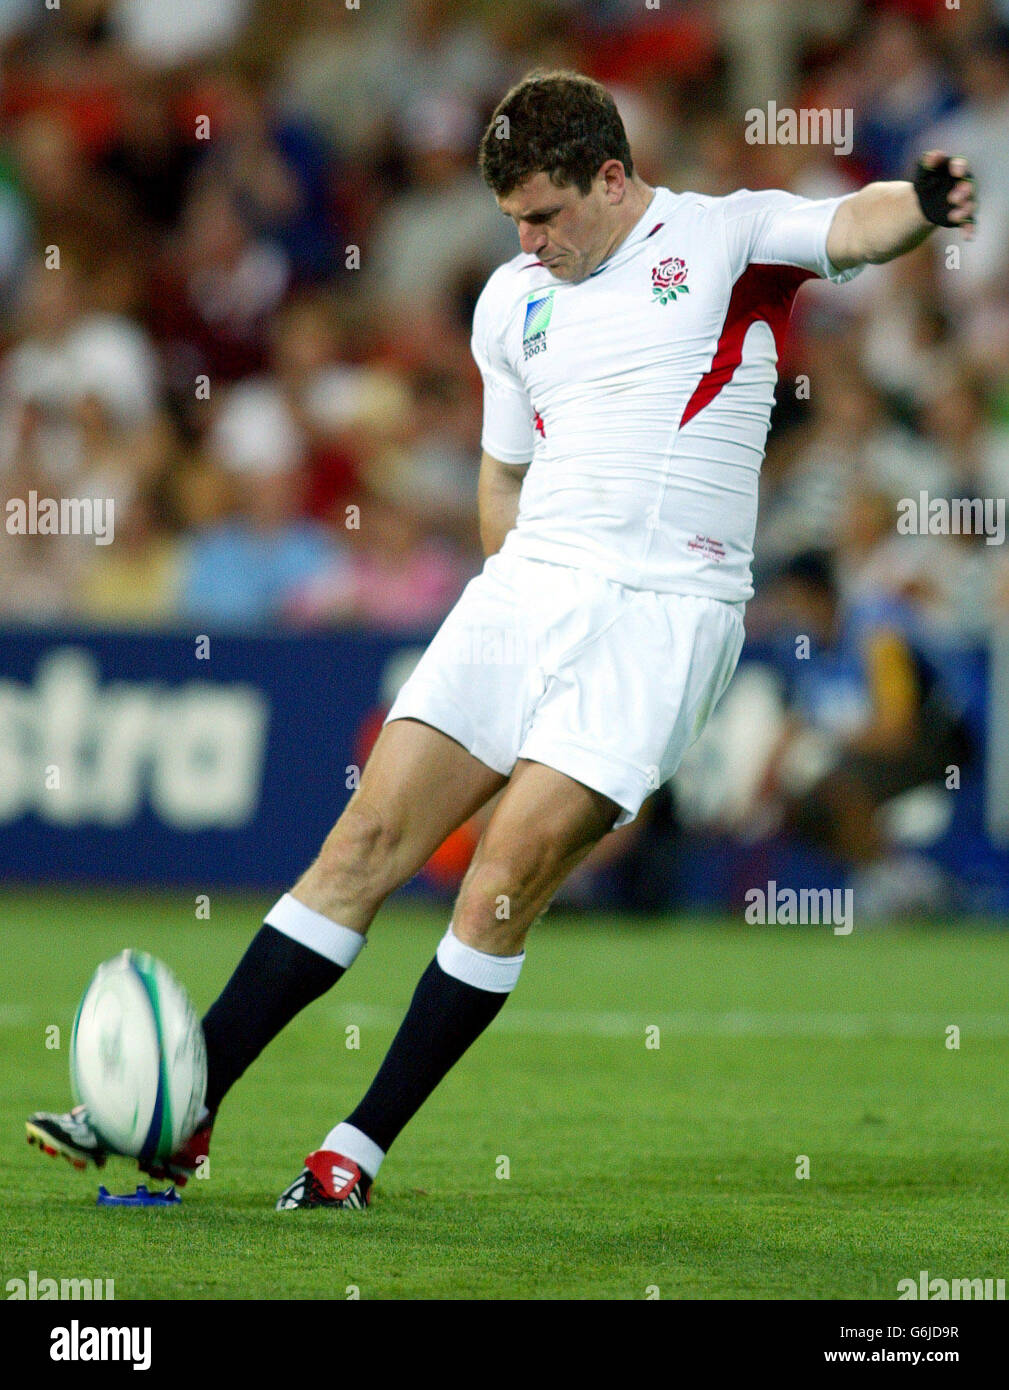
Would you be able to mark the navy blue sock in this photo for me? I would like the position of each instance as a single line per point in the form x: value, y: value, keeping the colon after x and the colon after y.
x: 275, y: 979
x: 445, y: 1017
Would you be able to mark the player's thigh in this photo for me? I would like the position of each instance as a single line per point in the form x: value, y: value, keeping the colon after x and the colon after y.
x: 542, y: 827
x: 417, y: 786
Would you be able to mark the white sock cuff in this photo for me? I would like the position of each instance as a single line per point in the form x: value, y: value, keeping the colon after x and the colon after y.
x: 495, y: 974
x: 354, y: 1143
x: 338, y: 944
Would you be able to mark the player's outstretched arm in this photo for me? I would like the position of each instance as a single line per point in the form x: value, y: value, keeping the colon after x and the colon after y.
x: 885, y: 220
x: 498, y: 500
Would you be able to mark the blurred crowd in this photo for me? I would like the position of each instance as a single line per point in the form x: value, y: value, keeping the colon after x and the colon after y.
x: 241, y: 240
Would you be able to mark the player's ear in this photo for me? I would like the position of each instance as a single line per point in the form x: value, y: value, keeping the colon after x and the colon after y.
x: 614, y: 179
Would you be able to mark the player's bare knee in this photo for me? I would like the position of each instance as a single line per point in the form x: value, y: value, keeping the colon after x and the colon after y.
x: 495, y: 905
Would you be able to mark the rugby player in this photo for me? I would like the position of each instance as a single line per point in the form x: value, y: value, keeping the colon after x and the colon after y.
x: 628, y: 355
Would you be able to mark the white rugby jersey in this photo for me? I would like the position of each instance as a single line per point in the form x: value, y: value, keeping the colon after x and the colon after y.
x: 642, y: 395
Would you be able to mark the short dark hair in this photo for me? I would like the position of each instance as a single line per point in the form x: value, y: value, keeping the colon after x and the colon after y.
x: 557, y: 123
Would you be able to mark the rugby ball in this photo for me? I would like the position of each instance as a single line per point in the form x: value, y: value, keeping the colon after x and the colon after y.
x: 138, y: 1062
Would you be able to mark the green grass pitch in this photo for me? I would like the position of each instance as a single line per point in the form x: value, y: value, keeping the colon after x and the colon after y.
x: 631, y: 1168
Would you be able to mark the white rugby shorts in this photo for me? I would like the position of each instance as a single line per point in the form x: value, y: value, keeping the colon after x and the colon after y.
x: 607, y: 684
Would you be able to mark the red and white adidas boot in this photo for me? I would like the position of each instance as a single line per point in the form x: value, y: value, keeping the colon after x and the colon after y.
x: 327, y: 1180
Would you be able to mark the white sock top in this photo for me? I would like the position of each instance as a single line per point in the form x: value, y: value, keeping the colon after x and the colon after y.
x: 327, y: 938
x: 495, y: 974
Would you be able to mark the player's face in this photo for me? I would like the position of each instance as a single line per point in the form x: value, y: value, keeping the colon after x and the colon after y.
x: 570, y: 232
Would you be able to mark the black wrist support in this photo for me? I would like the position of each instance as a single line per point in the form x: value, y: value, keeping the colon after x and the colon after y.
x: 933, y: 187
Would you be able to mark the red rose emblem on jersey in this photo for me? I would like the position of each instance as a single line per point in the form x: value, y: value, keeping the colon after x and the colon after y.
x: 669, y: 279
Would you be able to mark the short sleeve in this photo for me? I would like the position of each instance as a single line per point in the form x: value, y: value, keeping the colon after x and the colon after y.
x: 778, y: 228
x: 508, y: 430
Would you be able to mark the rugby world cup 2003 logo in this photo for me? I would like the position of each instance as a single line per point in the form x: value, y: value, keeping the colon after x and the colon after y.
x: 539, y: 309
x: 669, y: 279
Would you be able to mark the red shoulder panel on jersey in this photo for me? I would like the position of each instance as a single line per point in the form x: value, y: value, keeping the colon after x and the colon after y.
x: 762, y: 293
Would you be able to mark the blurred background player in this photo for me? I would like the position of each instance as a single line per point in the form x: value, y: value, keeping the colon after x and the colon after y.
x: 871, y: 716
